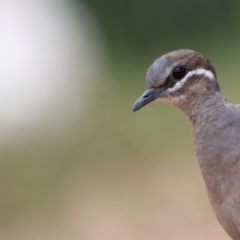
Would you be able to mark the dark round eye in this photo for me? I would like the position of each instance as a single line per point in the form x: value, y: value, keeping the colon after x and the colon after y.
x: 179, y: 72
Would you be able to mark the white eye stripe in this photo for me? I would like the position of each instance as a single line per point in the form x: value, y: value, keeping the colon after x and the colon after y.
x: 199, y: 71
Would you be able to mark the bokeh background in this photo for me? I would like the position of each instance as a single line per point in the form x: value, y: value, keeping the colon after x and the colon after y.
x: 75, y: 162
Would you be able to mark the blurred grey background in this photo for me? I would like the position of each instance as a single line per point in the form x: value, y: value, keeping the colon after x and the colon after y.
x: 75, y: 162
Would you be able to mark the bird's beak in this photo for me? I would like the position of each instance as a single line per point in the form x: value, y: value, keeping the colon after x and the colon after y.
x: 148, y: 96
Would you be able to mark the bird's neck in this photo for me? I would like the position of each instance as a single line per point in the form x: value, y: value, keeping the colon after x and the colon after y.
x: 204, y: 109
x: 209, y: 118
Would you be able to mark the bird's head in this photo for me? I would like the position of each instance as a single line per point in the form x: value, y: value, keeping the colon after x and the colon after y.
x: 178, y: 77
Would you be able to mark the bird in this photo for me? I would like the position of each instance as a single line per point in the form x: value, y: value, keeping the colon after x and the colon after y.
x: 187, y: 79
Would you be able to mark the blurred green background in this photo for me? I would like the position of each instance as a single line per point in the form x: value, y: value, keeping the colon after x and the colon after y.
x: 112, y: 174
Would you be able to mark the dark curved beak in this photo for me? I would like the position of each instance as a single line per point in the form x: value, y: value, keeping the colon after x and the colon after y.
x: 148, y: 96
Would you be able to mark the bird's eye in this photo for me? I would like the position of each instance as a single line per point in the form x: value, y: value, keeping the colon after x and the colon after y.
x: 179, y: 72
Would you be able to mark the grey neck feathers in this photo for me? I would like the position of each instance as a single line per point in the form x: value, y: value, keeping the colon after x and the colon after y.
x: 209, y: 116
x: 204, y: 108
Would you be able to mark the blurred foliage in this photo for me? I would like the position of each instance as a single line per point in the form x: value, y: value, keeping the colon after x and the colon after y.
x: 146, y: 24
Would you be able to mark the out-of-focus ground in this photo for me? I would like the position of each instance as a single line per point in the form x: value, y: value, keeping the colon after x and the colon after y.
x: 120, y: 201
x: 75, y: 163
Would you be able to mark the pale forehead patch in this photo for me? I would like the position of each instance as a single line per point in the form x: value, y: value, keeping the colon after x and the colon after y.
x: 157, y: 73
x: 197, y: 72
